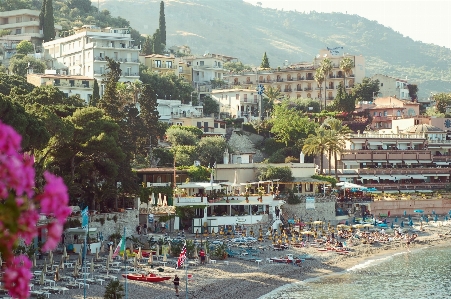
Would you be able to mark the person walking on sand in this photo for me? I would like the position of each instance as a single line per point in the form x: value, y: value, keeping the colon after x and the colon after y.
x: 202, y: 256
x: 176, y: 282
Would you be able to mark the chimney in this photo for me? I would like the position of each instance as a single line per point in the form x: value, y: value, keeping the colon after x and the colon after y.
x: 301, y: 158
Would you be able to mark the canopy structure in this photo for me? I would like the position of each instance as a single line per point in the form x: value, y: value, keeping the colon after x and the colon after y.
x: 203, y: 185
x: 351, y: 185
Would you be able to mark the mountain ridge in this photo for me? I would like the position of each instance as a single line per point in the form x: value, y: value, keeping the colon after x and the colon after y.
x: 244, y: 31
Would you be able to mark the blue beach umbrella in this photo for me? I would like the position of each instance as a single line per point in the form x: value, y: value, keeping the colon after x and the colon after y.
x: 396, y: 219
x: 433, y: 212
x: 410, y: 222
x: 392, y: 226
x: 402, y: 223
x: 405, y: 213
x: 427, y: 219
x: 446, y: 218
x: 435, y: 218
x: 347, y: 222
x: 353, y: 219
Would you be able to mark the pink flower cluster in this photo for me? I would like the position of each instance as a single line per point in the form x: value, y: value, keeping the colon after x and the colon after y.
x: 19, y: 213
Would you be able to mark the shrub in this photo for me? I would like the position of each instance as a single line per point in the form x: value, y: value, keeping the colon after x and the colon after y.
x: 291, y: 159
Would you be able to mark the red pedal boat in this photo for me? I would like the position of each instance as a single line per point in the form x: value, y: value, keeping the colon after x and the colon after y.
x: 147, y: 278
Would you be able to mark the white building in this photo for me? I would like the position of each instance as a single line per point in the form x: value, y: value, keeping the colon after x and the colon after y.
x: 169, y: 110
x: 392, y: 87
x: 84, y: 52
x: 237, y: 102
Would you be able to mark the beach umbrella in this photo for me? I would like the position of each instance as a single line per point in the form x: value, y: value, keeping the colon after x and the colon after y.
x: 150, y: 260
x: 392, y: 225
x: 159, y: 203
x: 402, y: 223
x: 97, y: 254
x: 195, y: 255
x: 135, y: 262
x: 62, y: 264
x: 44, y: 269
x: 433, y: 212
x: 57, y: 274
x: 139, y: 253
x: 34, y: 260
x: 80, y: 258
x: 347, y: 222
x: 410, y: 222
x: 107, y: 266
x: 110, y: 254
x: 446, y: 218
x: 396, y: 219
x: 41, y: 280
x: 427, y: 219
x: 64, y: 252
x: 165, y: 201
x: 51, y: 258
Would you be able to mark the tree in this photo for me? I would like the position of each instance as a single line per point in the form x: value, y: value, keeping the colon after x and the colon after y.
x: 110, y: 102
x: 177, y: 136
x: 343, y: 101
x: 210, y: 150
x: 316, y: 144
x: 48, y: 21
x: 158, y: 46
x: 442, y: 100
x: 364, y: 91
x: 290, y: 126
x: 265, y: 62
x: 346, y: 65
x: 413, y: 91
x: 210, y: 106
x: 236, y: 66
x: 268, y: 173
x: 272, y: 93
x: 147, y: 46
x: 198, y: 173
x: 162, y: 24
x: 114, y: 290
x: 95, y: 94
x: 25, y: 47
x: 326, y: 67
x: 20, y: 65
x: 319, y: 78
x: 339, y: 135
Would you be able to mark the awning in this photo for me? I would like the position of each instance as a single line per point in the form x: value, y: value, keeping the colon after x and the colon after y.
x: 402, y: 177
x: 391, y: 191
x: 385, y: 177
x: 442, y: 163
x: 424, y: 161
x: 358, y: 141
x: 374, y: 191
x: 436, y: 174
x: 369, y: 177
x: 424, y: 191
x: 351, y: 162
x: 375, y: 142
x: 407, y: 191
x: 394, y: 161
x: 417, y: 177
x: 404, y: 141
x: 410, y: 161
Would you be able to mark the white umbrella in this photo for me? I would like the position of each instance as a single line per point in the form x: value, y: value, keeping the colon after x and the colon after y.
x: 80, y: 258
x: 158, y: 252
x: 195, y: 255
x: 139, y: 253
x: 159, y: 203
x: 165, y: 201
x: 135, y: 262
x: 131, y: 248
x: 57, y: 274
x: 151, y: 199
x: 51, y: 258
x: 44, y: 269
x: 62, y: 264
x: 110, y: 255
x: 150, y: 260
x: 64, y: 252
x: 97, y: 254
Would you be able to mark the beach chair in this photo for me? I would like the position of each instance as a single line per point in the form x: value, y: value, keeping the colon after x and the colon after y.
x: 231, y: 253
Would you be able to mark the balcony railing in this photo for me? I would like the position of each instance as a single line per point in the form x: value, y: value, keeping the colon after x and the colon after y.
x: 399, y: 171
x: 404, y: 186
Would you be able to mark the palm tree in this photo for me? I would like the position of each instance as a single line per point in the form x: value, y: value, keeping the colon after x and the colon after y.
x: 326, y: 66
x: 315, y: 144
x: 319, y: 78
x: 272, y: 93
x: 338, y: 137
x: 346, y: 65
x: 114, y: 290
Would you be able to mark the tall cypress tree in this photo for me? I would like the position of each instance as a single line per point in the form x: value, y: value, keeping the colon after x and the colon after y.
x: 158, y: 47
x: 162, y: 25
x: 41, y: 15
x: 49, y: 22
x: 110, y: 101
x: 95, y: 94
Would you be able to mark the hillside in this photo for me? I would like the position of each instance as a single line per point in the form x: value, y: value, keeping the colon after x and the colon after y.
x: 238, y: 29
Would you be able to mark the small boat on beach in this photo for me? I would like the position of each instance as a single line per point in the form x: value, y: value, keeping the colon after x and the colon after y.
x: 287, y: 260
x: 148, y: 278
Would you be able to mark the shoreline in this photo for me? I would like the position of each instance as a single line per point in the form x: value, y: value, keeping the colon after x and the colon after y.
x: 246, y: 279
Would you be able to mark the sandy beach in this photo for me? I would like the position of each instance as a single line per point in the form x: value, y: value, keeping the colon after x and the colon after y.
x: 235, y: 278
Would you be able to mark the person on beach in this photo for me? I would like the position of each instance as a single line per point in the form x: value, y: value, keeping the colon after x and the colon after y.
x: 176, y: 282
x: 202, y: 256
x: 407, y: 242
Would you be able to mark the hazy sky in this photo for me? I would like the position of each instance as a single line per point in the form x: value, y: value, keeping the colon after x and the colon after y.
x: 428, y: 21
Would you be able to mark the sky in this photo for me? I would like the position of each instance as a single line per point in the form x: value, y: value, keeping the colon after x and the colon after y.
x: 428, y: 21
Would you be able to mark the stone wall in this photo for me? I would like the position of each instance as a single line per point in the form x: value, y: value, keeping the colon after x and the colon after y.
x: 128, y: 219
x: 322, y: 211
x: 397, y: 207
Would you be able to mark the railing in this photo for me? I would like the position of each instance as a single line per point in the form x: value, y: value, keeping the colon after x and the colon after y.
x: 404, y: 186
x: 399, y: 171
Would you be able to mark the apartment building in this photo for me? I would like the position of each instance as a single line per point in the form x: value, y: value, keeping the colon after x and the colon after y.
x: 392, y: 87
x: 238, y: 103
x: 68, y: 84
x: 163, y: 64
x: 385, y: 110
x: 22, y: 24
x: 84, y: 52
x: 297, y: 80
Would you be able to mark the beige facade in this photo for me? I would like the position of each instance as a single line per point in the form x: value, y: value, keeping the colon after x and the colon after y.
x: 69, y: 85
x: 163, y: 64
x: 392, y: 87
x: 297, y: 80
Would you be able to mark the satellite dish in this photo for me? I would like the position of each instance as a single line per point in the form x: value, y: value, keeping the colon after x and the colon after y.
x: 325, y: 55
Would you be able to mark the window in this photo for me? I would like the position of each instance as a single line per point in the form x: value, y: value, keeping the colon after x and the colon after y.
x: 168, y: 64
x: 180, y: 69
x: 201, y: 63
x: 245, y: 97
x: 382, y: 84
x: 129, y: 71
x: 157, y: 63
x: 385, y: 113
x: 375, y: 113
x: 237, y: 96
x: 18, y: 31
x: 18, y: 19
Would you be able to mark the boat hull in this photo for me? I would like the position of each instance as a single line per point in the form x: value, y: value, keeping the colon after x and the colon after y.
x: 146, y: 278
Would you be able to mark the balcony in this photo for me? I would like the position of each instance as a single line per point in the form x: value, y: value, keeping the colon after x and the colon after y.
x: 249, y: 82
x: 310, y: 78
x: 307, y: 89
x: 279, y: 79
x: 386, y: 155
x: 405, y: 171
x: 287, y: 90
x: 404, y: 186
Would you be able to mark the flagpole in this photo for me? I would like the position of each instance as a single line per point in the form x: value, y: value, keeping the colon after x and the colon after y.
x: 125, y: 262
x: 85, y: 223
x: 186, y: 278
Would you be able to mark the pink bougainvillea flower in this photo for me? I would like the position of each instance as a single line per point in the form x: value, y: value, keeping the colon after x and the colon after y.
x: 55, y: 230
x: 54, y: 198
x: 28, y: 225
x: 17, y: 275
x: 9, y: 140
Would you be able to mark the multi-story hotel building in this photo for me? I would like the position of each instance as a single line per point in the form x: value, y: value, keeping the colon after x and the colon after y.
x: 22, y: 24
x: 84, y: 52
x: 236, y: 102
x: 68, y: 84
x: 297, y: 80
x: 404, y: 159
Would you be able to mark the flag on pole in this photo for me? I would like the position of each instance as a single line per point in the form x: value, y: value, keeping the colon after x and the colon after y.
x: 85, y: 218
x: 120, y: 247
x: 182, y: 258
